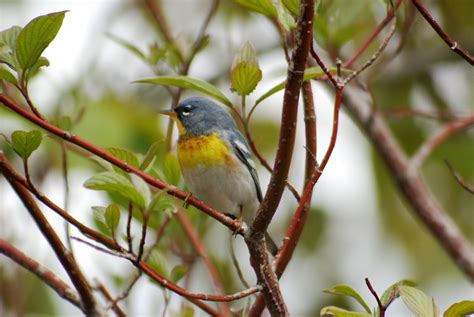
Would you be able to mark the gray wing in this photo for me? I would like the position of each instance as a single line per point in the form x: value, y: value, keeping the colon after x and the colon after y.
x: 243, y: 153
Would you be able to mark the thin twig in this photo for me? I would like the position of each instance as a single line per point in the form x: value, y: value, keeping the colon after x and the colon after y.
x: 410, y: 183
x: 388, y: 17
x: 444, y: 133
x: 201, y: 250
x: 382, y: 308
x: 118, y: 311
x: 453, y: 45
x: 129, y: 226
x: 44, y: 274
x: 468, y: 187
x: 89, y: 305
x: 379, y: 50
x: 232, y: 224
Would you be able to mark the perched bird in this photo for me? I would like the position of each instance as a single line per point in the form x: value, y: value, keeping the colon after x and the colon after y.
x: 215, y: 160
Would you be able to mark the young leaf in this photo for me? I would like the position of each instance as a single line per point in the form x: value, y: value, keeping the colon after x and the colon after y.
x: 129, y: 46
x: 178, y: 272
x: 171, y: 169
x: 7, y: 46
x: 162, y: 203
x: 418, y: 302
x: 284, y: 16
x: 264, y: 7
x: 245, y: 73
x: 150, y: 155
x: 292, y: 5
x: 142, y: 187
x: 112, y: 217
x: 6, y: 75
x: 189, y: 83
x: 99, y: 219
x: 460, y: 309
x: 310, y: 73
x: 348, y: 291
x: 24, y: 143
x: 36, y: 36
x: 339, y: 312
x: 114, y: 182
x: 393, y: 293
x: 125, y: 155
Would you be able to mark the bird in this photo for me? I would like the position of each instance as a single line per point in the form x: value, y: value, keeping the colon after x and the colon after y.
x: 216, y: 162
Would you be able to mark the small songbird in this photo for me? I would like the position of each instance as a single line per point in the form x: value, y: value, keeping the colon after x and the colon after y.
x: 215, y: 160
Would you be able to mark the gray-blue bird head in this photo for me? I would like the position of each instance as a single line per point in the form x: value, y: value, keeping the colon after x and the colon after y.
x: 197, y: 116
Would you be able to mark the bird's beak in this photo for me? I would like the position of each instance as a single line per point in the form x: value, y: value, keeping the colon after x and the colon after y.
x: 169, y: 113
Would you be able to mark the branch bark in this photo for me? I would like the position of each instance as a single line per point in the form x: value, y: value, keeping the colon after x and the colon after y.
x: 410, y: 183
x: 43, y: 273
x: 453, y: 45
x: 88, y: 302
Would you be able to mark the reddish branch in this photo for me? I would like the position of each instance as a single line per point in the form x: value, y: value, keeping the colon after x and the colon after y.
x: 68, y: 136
x: 255, y: 240
x: 88, y: 303
x: 446, y: 38
x: 410, y: 184
x: 201, y: 250
x: 459, y: 179
x: 439, y: 137
x: 47, y: 276
x: 371, y: 38
x: 114, y: 249
x: 7, y: 168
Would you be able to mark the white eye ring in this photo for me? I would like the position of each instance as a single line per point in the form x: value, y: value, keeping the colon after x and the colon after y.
x: 185, y: 113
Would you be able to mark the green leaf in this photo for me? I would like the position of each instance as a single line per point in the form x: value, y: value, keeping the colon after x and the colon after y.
x: 64, y: 122
x: 99, y: 219
x: 310, y: 73
x: 417, y: 301
x: 125, y: 155
x: 171, y: 169
x: 284, y: 16
x: 264, y: 7
x: 292, y: 5
x: 5, y: 74
x: 348, y: 291
x: 24, y: 143
x: 35, y: 38
x: 142, y: 187
x: 150, y: 155
x: 158, y: 263
x: 115, y: 182
x: 190, y: 83
x: 392, y: 292
x: 178, y: 272
x: 112, y: 216
x: 339, y: 312
x: 129, y: 46
x: 460, y: 309
x: 7, y: 46
x: 245, y: 73
x: 162, y: 203
x: 42, y: 61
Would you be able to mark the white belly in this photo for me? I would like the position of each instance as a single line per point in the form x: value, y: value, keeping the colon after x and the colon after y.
x: 228, y: 191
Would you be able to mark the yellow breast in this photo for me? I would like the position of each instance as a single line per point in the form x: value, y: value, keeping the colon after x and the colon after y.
x: 205, y: 150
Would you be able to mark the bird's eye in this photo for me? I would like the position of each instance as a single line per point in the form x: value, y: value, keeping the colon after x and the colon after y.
x: 186, y: 111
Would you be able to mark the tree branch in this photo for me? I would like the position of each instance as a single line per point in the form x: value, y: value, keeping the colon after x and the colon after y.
x: 453, y: 45
x: 89, y: 306
x: 201, y: 250
x: 439, y: 137
x: 255, y: 239
x: 43, y: 273
x: 232, y: 224
x: 410, y: 184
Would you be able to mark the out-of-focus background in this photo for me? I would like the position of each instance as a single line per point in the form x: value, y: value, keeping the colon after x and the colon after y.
x: 359, y: 226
